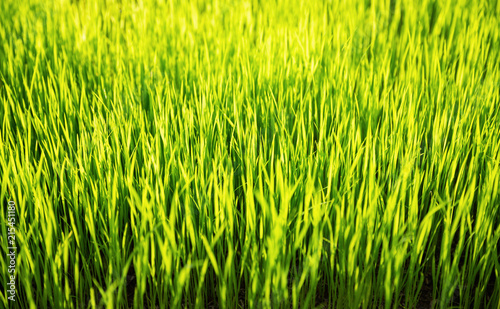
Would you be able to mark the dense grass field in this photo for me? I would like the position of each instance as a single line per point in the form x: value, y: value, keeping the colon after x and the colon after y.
x: 250, y: 154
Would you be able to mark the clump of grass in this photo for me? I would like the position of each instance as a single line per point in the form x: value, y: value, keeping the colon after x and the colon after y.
x: 245, y: 154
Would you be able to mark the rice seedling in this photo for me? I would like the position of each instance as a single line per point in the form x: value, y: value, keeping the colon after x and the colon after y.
x: 250, y: 154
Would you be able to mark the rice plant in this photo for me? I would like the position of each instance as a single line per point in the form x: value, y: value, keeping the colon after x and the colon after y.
x: 250, y: 154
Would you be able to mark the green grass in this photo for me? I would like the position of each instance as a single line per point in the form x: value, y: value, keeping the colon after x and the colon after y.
x: 257, y: 154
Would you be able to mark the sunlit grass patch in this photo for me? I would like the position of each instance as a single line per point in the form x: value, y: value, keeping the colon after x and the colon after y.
x: 251, y: 154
